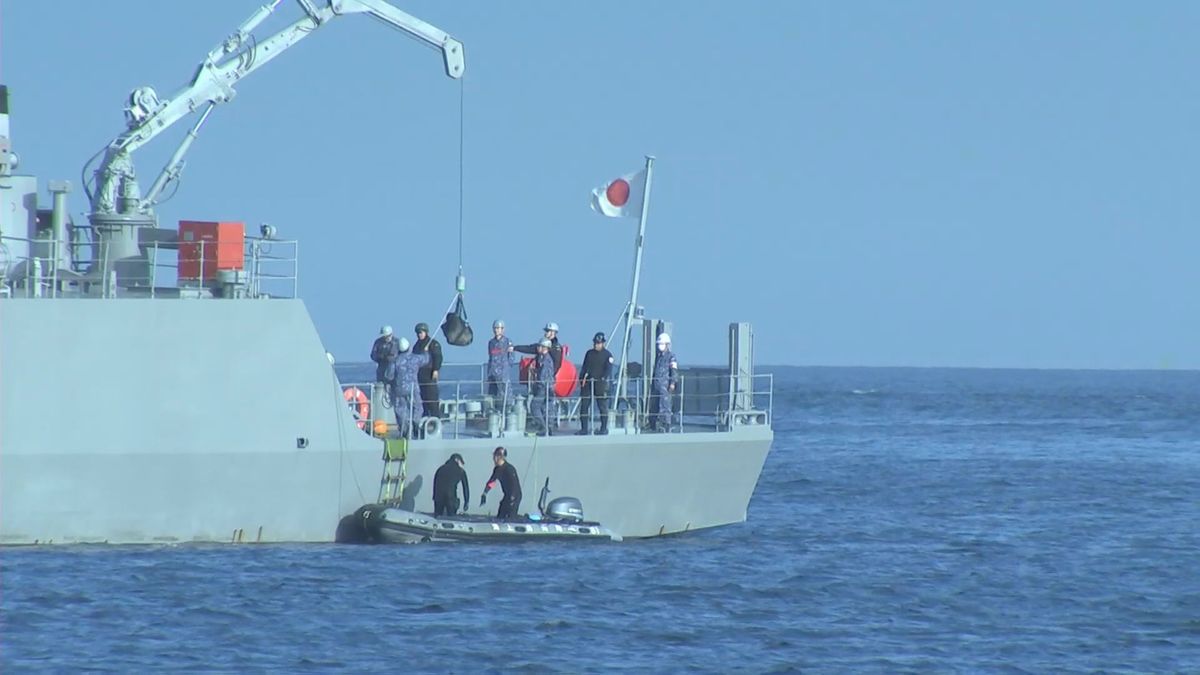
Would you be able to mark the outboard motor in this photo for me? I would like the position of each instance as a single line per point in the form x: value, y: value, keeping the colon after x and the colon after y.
x: 565, y: 509
x: 561, y: 509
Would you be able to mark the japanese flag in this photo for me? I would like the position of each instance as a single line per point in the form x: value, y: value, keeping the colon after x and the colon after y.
x: 621, y: 197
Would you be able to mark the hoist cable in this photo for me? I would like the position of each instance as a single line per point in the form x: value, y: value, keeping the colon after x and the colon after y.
x: 461, y: 97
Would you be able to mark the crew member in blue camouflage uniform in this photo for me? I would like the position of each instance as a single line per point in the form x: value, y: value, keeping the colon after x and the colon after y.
x: 405, y: 394
x: 541, y: 388
x: 499, y: 366
x: 666, y: 374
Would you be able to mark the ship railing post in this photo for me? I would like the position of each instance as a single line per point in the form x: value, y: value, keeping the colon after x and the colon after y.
x: 681, y: 397
x: 250, y: 245
x: 54, y: 271
x: 104, y: 268
x: 579, y: 406
x: 255, y: 269
x: 770, y: 398
x: 258, y: 263
x: 635, y: 404
x: 458, y: 407
x: 732, y: 401
x: 154, y: 269
x: 37, y: 277
x: 296, y: 269
x: 26, y: 284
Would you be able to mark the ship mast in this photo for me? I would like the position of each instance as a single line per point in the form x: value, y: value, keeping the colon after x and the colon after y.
x: 622, y: 375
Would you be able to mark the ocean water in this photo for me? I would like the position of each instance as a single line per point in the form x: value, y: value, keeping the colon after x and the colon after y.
x: 906, y: 520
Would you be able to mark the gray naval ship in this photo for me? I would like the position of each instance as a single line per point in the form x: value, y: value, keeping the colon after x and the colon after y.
x: 153, y: 448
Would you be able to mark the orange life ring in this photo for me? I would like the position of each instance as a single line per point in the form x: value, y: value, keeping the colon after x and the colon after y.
x: 360, y: 405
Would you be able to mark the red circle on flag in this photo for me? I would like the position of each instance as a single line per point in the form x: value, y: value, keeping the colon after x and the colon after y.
x: 618, y: 192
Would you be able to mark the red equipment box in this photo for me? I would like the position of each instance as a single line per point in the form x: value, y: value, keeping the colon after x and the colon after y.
x: 205, y: 247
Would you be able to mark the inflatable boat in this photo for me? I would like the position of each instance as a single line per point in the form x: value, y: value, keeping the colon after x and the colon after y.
x: 561, y: 519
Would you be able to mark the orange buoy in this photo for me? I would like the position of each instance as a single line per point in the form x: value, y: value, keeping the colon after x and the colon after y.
x: 381, y: 428
x: 564, y: 380
x: 360, y: 405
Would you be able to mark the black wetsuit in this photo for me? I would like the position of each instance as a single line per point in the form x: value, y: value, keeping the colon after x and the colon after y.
x: 593, y: 376
x: 429, y: 386
x: 511, y: 484
x: 555, y: 351
x: 445, y: 488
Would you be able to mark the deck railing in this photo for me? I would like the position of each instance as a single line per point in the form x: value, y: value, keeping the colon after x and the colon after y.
x: 50, y: 268
x: 466, y: 408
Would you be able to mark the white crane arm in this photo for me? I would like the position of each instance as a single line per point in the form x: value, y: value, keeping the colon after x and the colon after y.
x: 224, y: 66
x: 452, y: 50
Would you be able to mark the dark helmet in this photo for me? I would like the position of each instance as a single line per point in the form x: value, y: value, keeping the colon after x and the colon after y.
x: 421, y: 327
x: 599, y: 337
x: 500, y: 452
x: 457, y: 458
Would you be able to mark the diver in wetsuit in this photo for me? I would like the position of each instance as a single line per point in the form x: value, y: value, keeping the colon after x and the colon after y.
x: 445, y: 487
x: 593, y: 384
x: 427, y: 376
x: 506, y: 474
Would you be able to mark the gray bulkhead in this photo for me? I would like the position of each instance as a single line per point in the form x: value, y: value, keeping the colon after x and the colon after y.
x: 151, y: 420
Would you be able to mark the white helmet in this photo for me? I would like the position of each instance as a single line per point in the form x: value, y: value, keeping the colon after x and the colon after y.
x: 551, y: 326
x: 403, y: 344
x: 664, y: 339
x: 546, y: 343
x: 386, y: 330
x: 498, y: 323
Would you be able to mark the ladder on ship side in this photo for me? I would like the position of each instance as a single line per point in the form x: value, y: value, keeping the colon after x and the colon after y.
x: 395, y: 464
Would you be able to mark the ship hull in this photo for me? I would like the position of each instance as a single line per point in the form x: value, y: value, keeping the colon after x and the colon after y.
x: 689, y: 482
x: 144, y: 421
x: 637, y: 485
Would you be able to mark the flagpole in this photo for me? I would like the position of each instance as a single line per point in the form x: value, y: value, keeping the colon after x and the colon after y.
x: 623, y: 378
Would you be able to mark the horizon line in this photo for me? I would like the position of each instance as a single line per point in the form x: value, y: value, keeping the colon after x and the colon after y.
x: 893, y: 367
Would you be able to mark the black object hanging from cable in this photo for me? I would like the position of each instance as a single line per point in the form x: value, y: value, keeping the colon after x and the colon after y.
x: 456, y: 328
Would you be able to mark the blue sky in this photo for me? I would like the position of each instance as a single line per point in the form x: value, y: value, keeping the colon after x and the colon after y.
x: 872, y: 183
